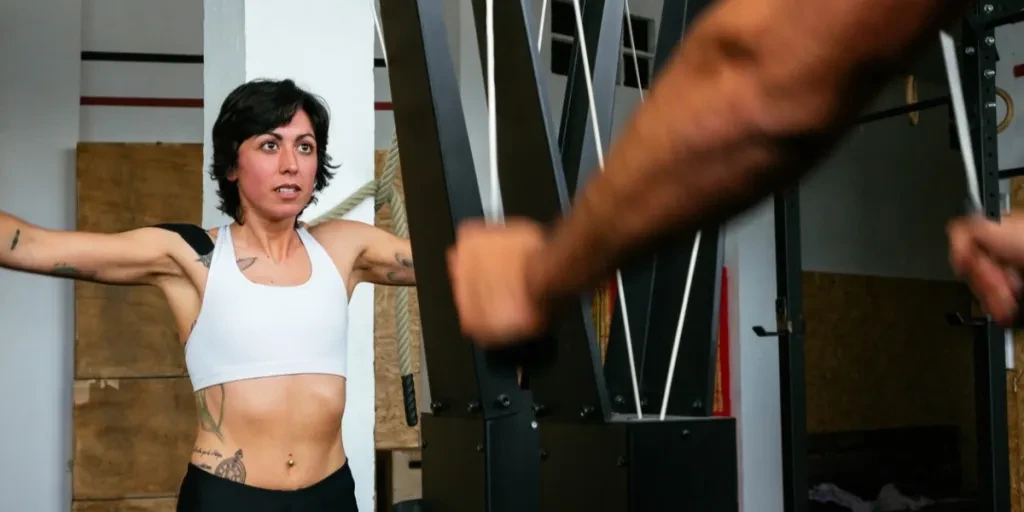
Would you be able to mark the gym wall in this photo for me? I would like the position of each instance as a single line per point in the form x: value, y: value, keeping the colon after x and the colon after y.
x: 125, y: 100
x: 39, y: 93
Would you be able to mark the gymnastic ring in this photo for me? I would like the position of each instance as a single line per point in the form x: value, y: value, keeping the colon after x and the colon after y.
x: 1008, y: 118
x: 910, y: 94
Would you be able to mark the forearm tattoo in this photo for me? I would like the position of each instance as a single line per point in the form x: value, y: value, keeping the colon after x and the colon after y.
x: 405, y: 261
x: 14, y: 241
x: 208, y: 421
x: 405, y: 276
x: 65, y: 270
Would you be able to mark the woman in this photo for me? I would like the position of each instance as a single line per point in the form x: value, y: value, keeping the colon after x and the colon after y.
x: 261, y: 304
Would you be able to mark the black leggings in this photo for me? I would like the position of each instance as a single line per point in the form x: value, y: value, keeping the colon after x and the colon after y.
x: 204, y: 492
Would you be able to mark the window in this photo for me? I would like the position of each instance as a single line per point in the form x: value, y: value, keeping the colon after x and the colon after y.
x: 563, y: 36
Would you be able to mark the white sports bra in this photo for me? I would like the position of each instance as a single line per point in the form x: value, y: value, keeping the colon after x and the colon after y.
x: 247, y: 330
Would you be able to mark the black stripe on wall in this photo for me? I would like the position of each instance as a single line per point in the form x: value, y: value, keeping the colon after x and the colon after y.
x: 164, y: 57
x: 143, y: 57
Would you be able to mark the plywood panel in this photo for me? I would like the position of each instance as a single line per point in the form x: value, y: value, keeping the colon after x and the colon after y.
x: 132, y: 437
x: 392, y: 432
x: 120, y: 331
x: 129, y: 505
x: 407, y: 482
x: 880, y: 354
x: 1014, y: 394
x: 1013, y: 423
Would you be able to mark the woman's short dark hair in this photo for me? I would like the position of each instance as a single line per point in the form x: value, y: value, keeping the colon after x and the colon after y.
x: 255, y: 108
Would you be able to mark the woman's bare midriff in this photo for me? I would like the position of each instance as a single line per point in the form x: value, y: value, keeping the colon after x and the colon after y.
x: 274, y: 432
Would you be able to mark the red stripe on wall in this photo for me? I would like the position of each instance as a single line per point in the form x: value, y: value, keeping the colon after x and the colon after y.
x: 382, y: 105
x: 111, y: 101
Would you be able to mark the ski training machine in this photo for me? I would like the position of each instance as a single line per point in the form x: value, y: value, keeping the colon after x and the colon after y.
x: 555, y: 425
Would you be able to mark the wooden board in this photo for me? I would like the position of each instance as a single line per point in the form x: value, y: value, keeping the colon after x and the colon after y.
x: 1014, y: 419
x: 133, y: 437
x: 1014, y: 394
x: 167, y: 504
x: 880, y: 354
x: 129, y: 331
x: 391, y: 431
x: 134, y: 413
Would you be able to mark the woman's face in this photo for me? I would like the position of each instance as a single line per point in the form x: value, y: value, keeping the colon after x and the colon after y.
x: 276, y: 170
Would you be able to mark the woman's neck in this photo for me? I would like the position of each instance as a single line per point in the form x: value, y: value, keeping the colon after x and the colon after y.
x: 277, y: 239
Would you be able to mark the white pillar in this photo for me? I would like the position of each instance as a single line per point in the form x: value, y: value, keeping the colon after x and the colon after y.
x: 750, y: 258
x: 326, y: 46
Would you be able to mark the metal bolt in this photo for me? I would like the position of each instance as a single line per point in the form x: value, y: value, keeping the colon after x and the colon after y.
x: 543, y: 454
x: 479, y: 447
x: 504, y: 401
x: 436, y: 406
x: 989, y: 8
x: 619, y: 399
x: 473, y: 407
x: 533, y: 425
x: 586, y: 411
x: 991, y: 104
x: 969, y: 50
x: 989, y: 73
x: 620, y: 462
x: 697, y: 404
x: 686, y: 432
x: 990, y: 40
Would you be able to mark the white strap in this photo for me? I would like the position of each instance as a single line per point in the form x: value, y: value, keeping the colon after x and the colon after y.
x: 956, y: 96
x: 380, y: 31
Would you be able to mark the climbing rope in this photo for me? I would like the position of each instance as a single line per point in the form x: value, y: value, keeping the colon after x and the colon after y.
x: 385, y: 192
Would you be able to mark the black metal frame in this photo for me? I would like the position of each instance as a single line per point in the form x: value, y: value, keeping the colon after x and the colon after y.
x: 479, y: 428
x: 551, y: 441
x: 790, y: 331
x: 977, y: 67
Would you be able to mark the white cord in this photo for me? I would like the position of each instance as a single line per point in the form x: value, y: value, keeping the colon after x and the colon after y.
x: 590, y: 82
x: 540, y: 31
x: 380, y: 31
x: 956, y: 95
x: 679, y: 326
x: 600, y: 160
x: 492, y: 116
x: 632, y: 46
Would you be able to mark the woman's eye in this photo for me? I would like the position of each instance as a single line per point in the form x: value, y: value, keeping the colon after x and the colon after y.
x: 306, y: 147
x: 270, y: 145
